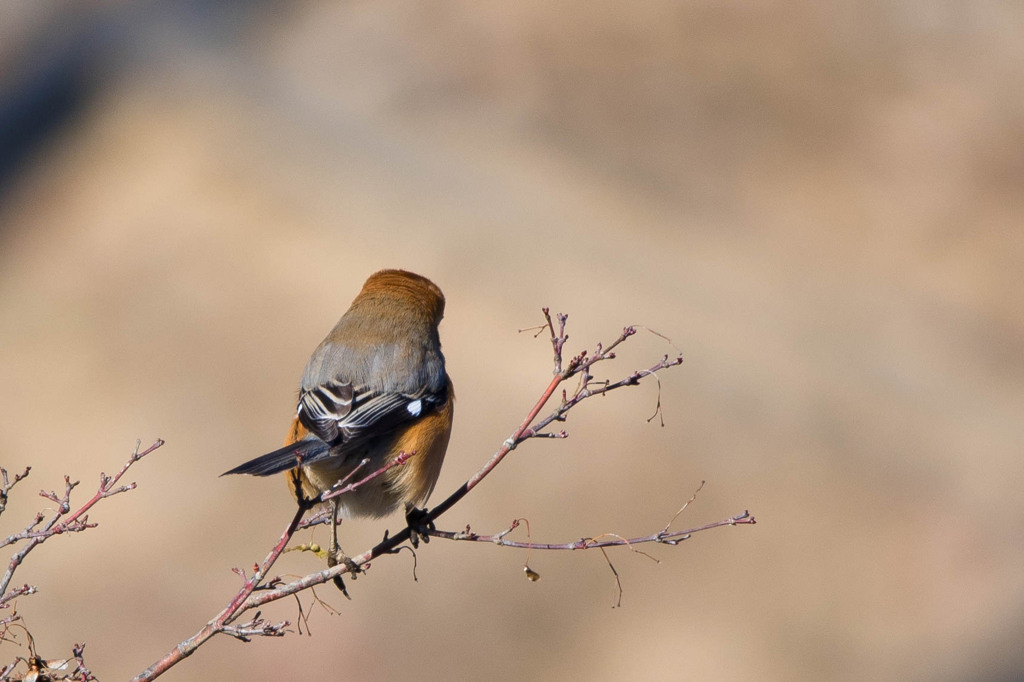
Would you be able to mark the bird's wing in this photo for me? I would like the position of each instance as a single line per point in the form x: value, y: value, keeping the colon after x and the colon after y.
x: 340, y: 413
x: 324, y: 406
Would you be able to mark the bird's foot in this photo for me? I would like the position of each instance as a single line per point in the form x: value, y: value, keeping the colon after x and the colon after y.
x: 419, y: 524
x: 338, y: 557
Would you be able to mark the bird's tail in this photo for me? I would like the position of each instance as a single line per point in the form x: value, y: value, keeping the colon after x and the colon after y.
x: 290, y: 456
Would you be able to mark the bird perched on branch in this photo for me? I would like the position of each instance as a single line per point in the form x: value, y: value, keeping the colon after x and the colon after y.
x: 374, y: 388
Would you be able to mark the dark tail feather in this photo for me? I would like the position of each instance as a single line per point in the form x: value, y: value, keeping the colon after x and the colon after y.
x: 288, y: 457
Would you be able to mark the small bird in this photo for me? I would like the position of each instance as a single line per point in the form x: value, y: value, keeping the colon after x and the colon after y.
x: 374, y: 388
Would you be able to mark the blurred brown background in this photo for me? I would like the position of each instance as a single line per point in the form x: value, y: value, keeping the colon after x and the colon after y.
x: 820, y: 203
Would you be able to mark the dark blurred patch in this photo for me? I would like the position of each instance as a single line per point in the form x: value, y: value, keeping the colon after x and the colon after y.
x: 49, y: 81
x: 69, y: 58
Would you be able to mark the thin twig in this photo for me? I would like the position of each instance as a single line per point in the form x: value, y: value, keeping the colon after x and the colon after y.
x: 337, y: 491
x: 685, y: 505
x: 663, y: 536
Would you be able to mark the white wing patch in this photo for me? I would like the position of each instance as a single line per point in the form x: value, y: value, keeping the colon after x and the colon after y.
x: 415, y: 407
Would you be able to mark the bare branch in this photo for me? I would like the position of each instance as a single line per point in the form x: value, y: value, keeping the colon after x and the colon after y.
x: 40, y: 529
x: 248, y: 597
x: 17, y: 592
x: 8, y: 485
x: 663, y: 536
x: 257, y: 627
x: 257, y: 590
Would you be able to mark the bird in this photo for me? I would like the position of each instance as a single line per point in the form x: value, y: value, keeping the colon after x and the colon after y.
x: 374, y: 388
